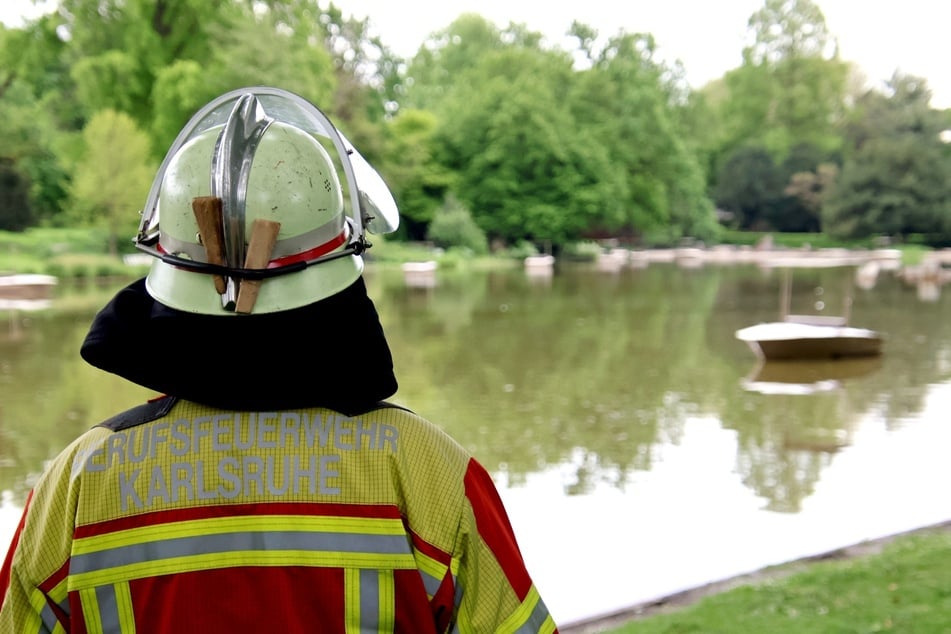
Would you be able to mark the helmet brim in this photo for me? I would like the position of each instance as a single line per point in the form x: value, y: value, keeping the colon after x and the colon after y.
x: 189, y: 292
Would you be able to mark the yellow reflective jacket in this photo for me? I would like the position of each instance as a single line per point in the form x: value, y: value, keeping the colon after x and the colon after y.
x: 177, y: 517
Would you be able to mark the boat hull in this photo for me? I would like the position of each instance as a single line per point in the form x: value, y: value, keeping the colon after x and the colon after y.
x: 25, y: 290
x: 783, y: 340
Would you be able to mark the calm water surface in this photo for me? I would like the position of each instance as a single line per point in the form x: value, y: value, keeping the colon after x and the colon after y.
x: 638, y: 445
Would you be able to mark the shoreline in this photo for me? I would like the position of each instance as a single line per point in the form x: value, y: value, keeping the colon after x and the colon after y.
x: 684, y: 598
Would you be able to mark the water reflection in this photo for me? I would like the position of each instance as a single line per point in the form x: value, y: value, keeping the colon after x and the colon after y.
x: 599, y: 398
x: 807, y: 376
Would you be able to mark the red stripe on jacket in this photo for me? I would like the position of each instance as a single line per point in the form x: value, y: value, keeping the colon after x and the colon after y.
x: 297, y: 509
x: 495, y: 528
x: 7, y: 567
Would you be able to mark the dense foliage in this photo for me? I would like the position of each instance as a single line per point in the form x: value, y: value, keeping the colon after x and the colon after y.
x: 498, y: 135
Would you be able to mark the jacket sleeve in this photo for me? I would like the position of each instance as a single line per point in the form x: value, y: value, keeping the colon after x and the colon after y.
x: 17, y: 611
x: 33, y: 580
x: 8, y: 561
x: 494, y: 590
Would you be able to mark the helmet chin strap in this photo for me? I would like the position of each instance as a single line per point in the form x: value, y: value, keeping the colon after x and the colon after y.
x: 207, y: 268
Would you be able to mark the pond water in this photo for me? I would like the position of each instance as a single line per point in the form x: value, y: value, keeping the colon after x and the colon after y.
x: 639, y: 447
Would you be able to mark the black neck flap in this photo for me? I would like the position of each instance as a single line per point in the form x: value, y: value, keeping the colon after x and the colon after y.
x: 332, y: 353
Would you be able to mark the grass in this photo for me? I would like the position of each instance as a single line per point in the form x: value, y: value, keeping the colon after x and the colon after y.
x: 904, y: 587
x: 65, y: 253
x: 912, y: 255
x: 392, y: 253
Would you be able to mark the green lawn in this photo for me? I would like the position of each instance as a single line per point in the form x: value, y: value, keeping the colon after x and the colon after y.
x: 905, y: 587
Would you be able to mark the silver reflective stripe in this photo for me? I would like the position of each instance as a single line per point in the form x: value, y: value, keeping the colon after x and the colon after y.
x: 49, y: 618
x: 108, y: 608
x: 430, y: 582
x: 235, y: 542
x: 190, y: 250
x: 369, y: 600
x: 64, y: 605
x: 537, y: 619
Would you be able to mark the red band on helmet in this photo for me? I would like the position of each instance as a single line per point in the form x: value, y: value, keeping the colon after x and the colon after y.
x: 304, y: 256
x: 310, y: 254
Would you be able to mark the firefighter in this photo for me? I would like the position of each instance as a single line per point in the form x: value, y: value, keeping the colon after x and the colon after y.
x: 271, y: 486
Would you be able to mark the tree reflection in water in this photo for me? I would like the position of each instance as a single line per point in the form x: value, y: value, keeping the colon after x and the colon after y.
x: 593, y: 372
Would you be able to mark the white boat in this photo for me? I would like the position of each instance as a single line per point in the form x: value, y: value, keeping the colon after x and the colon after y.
x: 26, y: 286
x: 542, y: 261
x: 791, y: 339
x: 26, y: 291
x: 542, y: 265
x: 809, y: 336
x: 420, y: 274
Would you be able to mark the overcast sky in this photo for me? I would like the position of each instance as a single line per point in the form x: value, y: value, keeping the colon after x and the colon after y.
x: 881, y: 36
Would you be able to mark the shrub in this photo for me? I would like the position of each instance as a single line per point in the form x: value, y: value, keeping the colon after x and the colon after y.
x: 521, y: 250
x: 453, y: 226
x: 586, y: 251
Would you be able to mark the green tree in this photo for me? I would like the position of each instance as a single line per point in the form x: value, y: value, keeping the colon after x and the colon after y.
x: 249, y: 48
x: 114, y: 176
x: 453, y: 226
x: 523, y: 168
x: 419, y: 182
x: 744, y: 108
x: 98, y: 80
x: 35, y: 56
x: 15, y: 210
x: 159, y: 60
x: 19, y: 142
x: 809, y: 174
x: 791, y: 87
x: 29, y: 62
x: 351, y: 64
x: 810, y: 190
x: 130, y: 41
x: 896, y: 179
x: 8, y: 73
x: 699, y: 126
x: 767, y: 196
x: 624, y: 104
x: 793, y: 43
x: 750, y: 186
x: 788, y: 29
x: 252, y: 49
x: 446, y: 58
x: 180, y: 89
